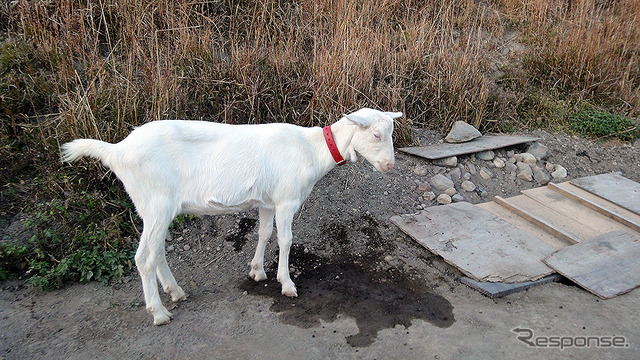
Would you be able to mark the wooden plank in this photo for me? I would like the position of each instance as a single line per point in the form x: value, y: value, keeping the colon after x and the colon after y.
x: 606, y: 265
x: 576, y: 211
x: 538, y: 221
x: 523, y: 224
x: 592, y: 205
x: 613, y: 187
x: 495, y: 289
x: 483, y: 143
x: 483, y: 246
x: 600, y: 201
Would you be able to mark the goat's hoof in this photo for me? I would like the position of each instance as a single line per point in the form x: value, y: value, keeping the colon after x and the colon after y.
x: 258, y: 275
x: 178, y: 295
x: 161, y: 316
x: 289, y: 290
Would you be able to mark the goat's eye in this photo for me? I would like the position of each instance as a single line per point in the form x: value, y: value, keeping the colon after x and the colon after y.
x: 376, y: 135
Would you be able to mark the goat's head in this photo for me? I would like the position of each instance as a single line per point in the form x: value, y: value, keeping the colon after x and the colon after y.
x: 373, y: 137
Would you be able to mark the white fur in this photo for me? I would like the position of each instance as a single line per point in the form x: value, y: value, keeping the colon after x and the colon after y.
x: 173, y: 167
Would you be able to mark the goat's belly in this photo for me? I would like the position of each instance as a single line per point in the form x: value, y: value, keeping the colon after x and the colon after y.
x: 215, y: 208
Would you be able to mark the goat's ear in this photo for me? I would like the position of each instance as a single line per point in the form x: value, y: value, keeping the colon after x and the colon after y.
x: 362, y: 117
x: 393, y: 115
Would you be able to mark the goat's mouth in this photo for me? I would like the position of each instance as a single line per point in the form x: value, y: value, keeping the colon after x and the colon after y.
x: 384, y: 166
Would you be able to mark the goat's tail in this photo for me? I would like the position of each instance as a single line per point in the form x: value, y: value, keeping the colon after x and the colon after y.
x: 78, y: 148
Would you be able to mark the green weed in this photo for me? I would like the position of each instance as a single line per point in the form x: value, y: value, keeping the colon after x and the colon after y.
x: 603, y: 124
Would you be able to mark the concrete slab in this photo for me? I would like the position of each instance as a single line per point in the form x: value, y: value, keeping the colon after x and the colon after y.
x: 483, y: 143
x: 498, y: 289
x: 613, y: 187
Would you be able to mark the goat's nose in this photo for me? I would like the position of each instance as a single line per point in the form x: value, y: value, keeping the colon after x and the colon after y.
x: 389, y: 165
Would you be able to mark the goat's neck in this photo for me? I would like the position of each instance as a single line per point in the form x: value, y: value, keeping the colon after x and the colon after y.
x: 343, y: 131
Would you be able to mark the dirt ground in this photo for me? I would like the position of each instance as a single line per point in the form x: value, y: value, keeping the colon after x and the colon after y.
x: 366, y: 290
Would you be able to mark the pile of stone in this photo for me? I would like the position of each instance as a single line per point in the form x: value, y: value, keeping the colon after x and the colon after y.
x: 456, y: 178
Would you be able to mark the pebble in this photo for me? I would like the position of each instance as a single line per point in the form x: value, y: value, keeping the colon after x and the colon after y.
x: 447, y: 162
x: 525, y: 175
x: 559, y: 173
x: 472, y: 168
x: 510, y: 153
x: 468, y: 186
x: 457, y: 198
x: 541, y: 177
x: 450, y: 191
x: 444, y: 199
x: 485, y: 155
x: 499, y: 163
x: 186, y: 247
x: 420, y: 170
x: 550, y: 167
x: 526, y: 158
x: 485, y: 173
x: 429, y: 196
x: 170, y: 248
x: 455, y: 174
x: 510, y: 167
x: 423, y: 186
x: 441, y: 182
x: 524, y: 167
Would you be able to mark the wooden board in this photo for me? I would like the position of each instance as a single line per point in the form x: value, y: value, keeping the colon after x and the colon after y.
x: 483, y: 246
x: 482, y: 143
x: 496, y: 289
x: 613, y: 187
x: 607, y: 265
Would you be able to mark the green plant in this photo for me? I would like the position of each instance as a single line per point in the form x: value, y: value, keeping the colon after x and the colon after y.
x: 602, y: 124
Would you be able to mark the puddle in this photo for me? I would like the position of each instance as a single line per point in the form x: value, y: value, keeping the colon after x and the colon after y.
x: 351, y: 286
x: 239, y: 238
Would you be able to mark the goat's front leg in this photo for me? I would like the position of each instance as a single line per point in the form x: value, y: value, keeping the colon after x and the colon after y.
x: 284, y: 219
x: 264, y: 233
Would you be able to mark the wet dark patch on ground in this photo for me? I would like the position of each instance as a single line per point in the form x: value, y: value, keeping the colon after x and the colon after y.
x: 239, y: 238
x: 353, y: 286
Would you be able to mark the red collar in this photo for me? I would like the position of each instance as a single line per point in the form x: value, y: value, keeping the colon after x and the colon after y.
x: 331, y: 144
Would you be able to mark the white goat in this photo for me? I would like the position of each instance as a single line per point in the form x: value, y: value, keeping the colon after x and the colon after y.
x: 173, y: 167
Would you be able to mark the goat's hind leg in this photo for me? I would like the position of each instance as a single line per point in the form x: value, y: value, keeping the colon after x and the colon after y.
x: 264, y: 233
x: 168, y: 282
x: 148, y: 257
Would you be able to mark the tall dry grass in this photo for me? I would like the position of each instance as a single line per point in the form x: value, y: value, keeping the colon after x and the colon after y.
x: 113, y: 64
x: 117, y: 63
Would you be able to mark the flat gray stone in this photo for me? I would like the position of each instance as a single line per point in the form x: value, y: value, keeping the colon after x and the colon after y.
x: 482, y: 143
x: 441, y: 182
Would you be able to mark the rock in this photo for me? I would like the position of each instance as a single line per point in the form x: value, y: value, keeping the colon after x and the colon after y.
x: 441, y: 182
x: 468, y: 186
x: 455, y: 174
x: 450, y: 191
x: 462, y: 132
x: 481, y: 191
x: 444, y: 199
x: 541, y: 152
x: 429, y: 196
x: 448, y: 162
x: 472, y: 168
x: 420, y: 170
x: 187, y: 247
x: 559, y: 173
x: 499, y: 163
x: 457, y: 198
x: 485, y: 155
x: 466, y: 176
x: 512, y: 168
x: 524, y: 167
x: 423, y: 186
x: 485, y: 173
x: 510, y: 153
x: 550, y: 167
x: 170, y: 248
x: 541, y: 177
x: 525, y: 175
x: 526, y: 158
